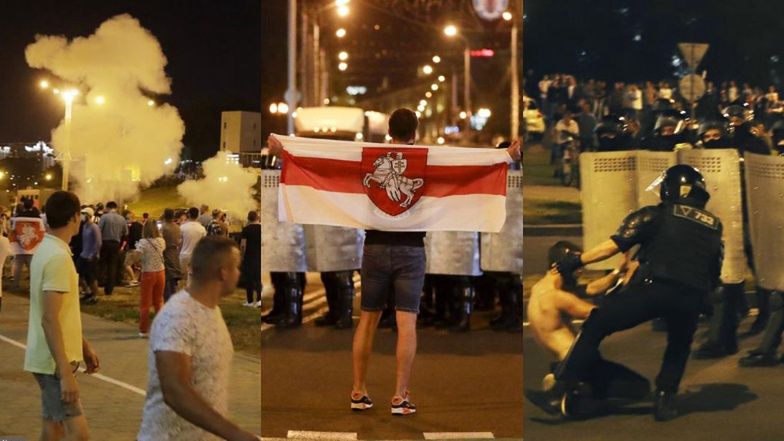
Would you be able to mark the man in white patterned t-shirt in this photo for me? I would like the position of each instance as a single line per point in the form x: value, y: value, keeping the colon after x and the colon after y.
x: 190, y: 354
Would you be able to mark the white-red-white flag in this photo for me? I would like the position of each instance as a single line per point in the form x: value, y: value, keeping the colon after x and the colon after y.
x: 26, y: 234
x: 392, y: 187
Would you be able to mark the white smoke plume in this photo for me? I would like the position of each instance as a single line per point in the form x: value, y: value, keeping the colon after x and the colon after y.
x: 124, y: 142
x: 226, y: 186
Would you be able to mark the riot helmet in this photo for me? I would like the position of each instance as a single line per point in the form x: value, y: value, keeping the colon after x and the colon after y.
x: 560, y: 251
x: 737, y: 114
x: 682, y: 183
x: 712, y: 134
x: 670, y: 123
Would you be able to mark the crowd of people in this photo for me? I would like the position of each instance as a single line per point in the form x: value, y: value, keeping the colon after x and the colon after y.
x: 114, y: 247
x: 594, y: 116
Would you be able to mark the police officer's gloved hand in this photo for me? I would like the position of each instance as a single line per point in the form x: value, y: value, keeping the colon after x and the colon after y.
x: 569, y: 264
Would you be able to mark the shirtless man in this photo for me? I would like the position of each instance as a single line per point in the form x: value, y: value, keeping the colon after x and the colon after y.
x: 552, y: 306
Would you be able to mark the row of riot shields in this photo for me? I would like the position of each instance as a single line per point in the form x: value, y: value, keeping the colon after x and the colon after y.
x: 288, y: 247
x: 616, y: 183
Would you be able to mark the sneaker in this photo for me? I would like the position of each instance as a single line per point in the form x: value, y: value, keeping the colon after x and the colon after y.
x: 362, y: 403
x: 88, y: 300
x: 258, y: 304
x: 132, y: 283
x: 404, y: 407
x: 144, y: 335
x: 249, y: 305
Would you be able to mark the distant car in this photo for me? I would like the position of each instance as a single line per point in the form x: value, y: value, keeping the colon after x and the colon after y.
x: 534, y: 120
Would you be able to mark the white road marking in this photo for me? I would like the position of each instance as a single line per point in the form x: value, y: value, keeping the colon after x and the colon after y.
x: 459, y: 435
x: 307, y: 434
x: 101, y: 377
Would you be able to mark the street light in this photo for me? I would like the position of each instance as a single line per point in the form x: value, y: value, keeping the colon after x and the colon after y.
x: 427, y: 69
x: 340, y: 33
x: 434, y: 87
x: 428, y: 94
x: 343, y: 10
x: 100, y: 100
x: 450, y: 30
x: 151, y: 103
x: 279, y: 108
x: 43, y: 84
x: 436, y: 59
x: 343, y: 56
x: 441, y: 78
x: 507, y: 16
x: 343, y: 66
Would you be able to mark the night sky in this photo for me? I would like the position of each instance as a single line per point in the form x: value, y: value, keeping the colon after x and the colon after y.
x: 596, y: 38
x: 212, y: 47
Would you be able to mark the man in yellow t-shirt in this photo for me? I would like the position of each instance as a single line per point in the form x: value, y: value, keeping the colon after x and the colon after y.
x: 55, y: 345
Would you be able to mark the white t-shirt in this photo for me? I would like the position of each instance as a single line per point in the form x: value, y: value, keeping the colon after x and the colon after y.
x: 192, y: 232
x: 187, y: 326
x: 665, y: 93
x: 562, y: 126
x: 52, y: 269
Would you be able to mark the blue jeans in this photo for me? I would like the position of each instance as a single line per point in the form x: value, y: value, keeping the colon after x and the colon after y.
x: 392, y: 268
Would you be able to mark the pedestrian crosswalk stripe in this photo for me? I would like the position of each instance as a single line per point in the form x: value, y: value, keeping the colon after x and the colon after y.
x: 307, y: 434
x: 459, y: 435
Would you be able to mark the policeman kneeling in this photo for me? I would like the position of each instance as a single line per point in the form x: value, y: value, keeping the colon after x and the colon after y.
x: 680, y: 260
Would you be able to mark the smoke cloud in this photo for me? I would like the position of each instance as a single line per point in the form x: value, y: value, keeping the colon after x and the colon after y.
x: 117, y: 140
x: 226, y: 186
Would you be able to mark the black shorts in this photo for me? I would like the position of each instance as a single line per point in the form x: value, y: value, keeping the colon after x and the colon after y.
x: 87, y: 269
x: 392, y: 268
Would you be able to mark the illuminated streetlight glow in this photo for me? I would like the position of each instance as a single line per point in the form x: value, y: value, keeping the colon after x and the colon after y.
x: 283, y: 108
x: 342, y: 2
x: 463, y: 115
x: 100, y: 100
x: 343, y: 11
x: 273, y: 108
x: 428, y: 94
x: 507, y: 15
x: 150, y: 103
x: 340, y: 33
x: 427, y: 69
x: 422, y: 102
x: 440, y: 140
x: 450, y: 30
x: 343, y: 66
x: 436, y: 59
x: 434, y: 87
x: 43, y: 84
x: 56, y: 91
x: 69, y: 95
x: 441, y: 78
x: 343, y: 56
x: 48, y: 177
x: 484, y: 113
x: 418, y: 114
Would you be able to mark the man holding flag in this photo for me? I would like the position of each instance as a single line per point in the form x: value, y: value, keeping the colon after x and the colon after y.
x: 396, y: 192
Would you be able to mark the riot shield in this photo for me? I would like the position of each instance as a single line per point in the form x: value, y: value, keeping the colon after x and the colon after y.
x: 608, y: 194
x: 452, y: 253
x: 282, y: 243
x: 333, y: 248
x: 650, y: 165
x: 721, y: 170
x: 765, y: 204
x: 503, y: 251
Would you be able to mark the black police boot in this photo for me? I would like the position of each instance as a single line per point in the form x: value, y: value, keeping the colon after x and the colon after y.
x: 465, y: 295
x: 330, y: 286
x: 663, y: 406
x: 345, y: 303
x: 763, y: 306
x: 279, y: 281
x: 485, y: 292
x: 722, y: 331
x: 443, y: 302
x: 511, y: 307
x: 765, y: 354
x: 292, y: 315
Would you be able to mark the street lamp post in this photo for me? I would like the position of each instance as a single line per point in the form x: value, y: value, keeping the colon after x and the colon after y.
x: 452, y: 31
x: 291, y: 92
x: 515, y: 99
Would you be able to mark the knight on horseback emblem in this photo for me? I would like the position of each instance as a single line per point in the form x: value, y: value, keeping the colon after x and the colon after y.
x: 388, y: 173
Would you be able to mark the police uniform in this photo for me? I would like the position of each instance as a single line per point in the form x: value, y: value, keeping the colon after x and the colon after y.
x: 680, y: 260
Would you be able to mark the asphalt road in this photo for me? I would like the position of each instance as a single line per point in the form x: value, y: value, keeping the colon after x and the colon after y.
x: 464, y: 385
x: 719, y: 400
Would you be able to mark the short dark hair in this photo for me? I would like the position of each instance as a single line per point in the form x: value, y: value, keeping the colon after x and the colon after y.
x: 60, y: 208
x: 111, y: 205
x: 208, y: 256
x: 168, y: 214
x: 253, y: 216
x: 193, y: 213
x: 403, y: 124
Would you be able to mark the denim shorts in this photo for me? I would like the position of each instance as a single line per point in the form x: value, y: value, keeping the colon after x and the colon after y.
x: 392, y: 270
x: 52, y: 407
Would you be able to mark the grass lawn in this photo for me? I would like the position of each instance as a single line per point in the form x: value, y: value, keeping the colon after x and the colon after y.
x: 536, y: 163
x: 548, y: 212
x: 123, y: 306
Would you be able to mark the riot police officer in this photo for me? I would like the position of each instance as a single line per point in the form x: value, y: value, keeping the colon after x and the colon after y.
x: 610, y: 134
x: 713, y: 135
x: 680, y: 260
x: 668, y: 132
